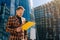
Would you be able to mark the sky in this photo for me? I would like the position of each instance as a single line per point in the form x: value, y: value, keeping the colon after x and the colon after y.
x: 36, y: 3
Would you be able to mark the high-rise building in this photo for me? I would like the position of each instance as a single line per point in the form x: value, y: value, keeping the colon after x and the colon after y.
x: 32, y: 36
x: 4, y: 14
x: 57, y: 3
x: 47, y: 21
x: 7, y: 2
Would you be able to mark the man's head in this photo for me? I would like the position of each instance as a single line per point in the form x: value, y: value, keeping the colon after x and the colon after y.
x: 20, y: 11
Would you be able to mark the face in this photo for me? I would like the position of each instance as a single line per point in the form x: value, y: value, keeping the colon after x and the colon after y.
x: 20, y: 12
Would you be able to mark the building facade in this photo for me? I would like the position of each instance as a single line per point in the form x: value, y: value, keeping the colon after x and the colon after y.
x: 4, y: 14
x: 47, y: 21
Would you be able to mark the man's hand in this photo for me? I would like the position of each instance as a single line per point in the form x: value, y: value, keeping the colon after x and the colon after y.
x: 18, y: 29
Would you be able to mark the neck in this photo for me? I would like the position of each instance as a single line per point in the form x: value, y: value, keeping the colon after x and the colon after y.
x: 18, y: 16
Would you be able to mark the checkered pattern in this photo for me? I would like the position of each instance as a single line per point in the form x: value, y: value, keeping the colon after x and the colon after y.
x: 11, y: 26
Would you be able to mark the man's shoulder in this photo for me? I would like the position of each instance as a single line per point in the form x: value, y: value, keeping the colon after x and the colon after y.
x: 12, y: 17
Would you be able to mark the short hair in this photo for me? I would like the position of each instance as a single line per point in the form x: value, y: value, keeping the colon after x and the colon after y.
x: 20, y: 7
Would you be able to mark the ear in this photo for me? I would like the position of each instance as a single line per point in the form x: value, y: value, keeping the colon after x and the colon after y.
x: 16, y: 11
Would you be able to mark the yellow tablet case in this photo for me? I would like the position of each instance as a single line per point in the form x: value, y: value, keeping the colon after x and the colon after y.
x: 27, y: 25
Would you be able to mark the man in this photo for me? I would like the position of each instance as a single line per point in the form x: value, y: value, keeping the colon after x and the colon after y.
x: 14, y: 25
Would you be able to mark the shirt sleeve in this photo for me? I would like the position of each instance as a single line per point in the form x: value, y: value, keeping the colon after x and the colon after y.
x: 9, y: 27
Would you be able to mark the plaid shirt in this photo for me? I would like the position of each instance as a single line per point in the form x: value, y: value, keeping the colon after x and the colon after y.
x: 11, y: 26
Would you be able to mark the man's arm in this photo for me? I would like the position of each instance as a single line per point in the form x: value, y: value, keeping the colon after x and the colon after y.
x: 9, y: 24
